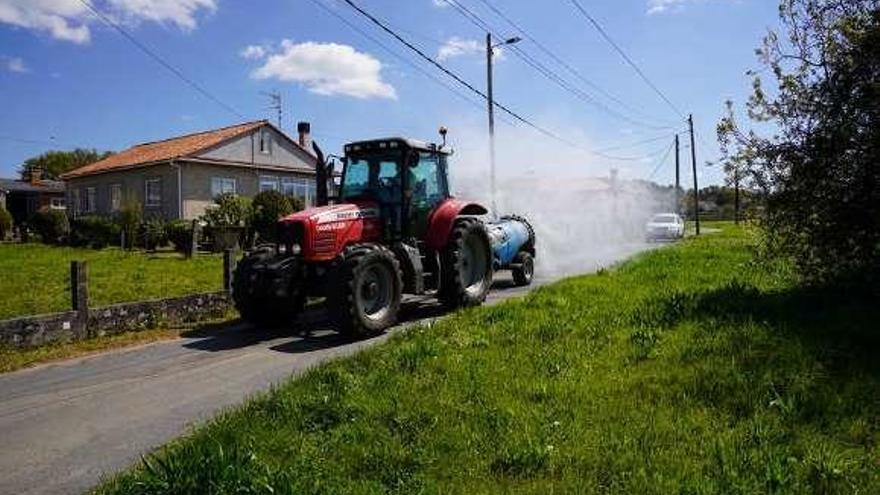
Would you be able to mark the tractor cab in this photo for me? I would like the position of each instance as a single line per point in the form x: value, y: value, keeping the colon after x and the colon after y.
x: 406, y: 178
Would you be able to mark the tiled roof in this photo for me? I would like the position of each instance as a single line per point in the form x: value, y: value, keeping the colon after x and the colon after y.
x: 157, y: 151
x: 46, y: 186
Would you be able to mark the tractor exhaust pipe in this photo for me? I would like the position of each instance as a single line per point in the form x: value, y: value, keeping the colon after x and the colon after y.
x: 320, y: 176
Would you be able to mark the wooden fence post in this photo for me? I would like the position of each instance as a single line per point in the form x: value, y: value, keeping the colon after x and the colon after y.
x: 79, y: 296
x: 193, y: 240
x: 228, y: 269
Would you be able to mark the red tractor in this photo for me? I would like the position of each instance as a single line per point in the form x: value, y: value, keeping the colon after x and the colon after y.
x: 393, y: 229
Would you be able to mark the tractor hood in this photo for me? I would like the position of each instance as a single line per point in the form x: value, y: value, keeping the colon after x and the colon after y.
x: 323, y: 232
x: 320, y: 215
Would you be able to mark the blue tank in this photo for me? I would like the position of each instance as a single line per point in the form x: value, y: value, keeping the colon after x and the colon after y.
x: 509, y: 236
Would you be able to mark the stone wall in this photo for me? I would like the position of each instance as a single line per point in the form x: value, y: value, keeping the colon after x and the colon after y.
x: 32, y: 331
x: 67, y: 326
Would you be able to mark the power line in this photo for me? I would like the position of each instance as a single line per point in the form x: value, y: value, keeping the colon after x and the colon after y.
x: 626, y: 57
x: 637, y: 143
x: 543, y: 69
x: 550, y: 53
x: 630, y: 158
x: 457, y: 78
x: 174, y: 70
x: 50, y: 141
x: 400, y: 57
x: 662, y: 161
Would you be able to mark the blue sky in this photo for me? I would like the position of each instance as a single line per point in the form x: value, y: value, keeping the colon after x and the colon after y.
x: 68, y: 80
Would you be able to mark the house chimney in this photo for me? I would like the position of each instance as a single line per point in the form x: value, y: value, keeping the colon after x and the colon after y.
x: 36, y: 174
x: 304, y: 130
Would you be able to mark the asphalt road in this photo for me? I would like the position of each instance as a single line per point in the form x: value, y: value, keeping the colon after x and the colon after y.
x: 65, y: 425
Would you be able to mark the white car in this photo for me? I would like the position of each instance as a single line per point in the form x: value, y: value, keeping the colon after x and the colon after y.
x: 664, y: 226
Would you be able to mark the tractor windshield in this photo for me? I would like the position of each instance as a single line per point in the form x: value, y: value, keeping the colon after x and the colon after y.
x: 373, y: 177
x: 427, y: 180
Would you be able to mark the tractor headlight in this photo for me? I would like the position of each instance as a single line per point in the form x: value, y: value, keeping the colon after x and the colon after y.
x: 295, y: 249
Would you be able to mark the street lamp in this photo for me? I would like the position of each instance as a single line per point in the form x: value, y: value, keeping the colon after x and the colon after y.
x: 490, y: 51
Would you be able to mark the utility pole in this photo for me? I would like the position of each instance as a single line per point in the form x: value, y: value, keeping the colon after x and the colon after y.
x: 694, y: 170
x: 491, y: 103
x: 275, y: 103
x: 677, y: 177
x: 490, y: 52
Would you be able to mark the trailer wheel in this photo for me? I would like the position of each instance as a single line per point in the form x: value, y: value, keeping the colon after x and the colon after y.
x: 366, y: 298
x: 466, y: 269
x: 254, y: 301
x: 524, y: 268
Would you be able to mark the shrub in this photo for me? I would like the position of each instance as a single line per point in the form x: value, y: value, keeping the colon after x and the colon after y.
x: 152, y: 234
x: 51, y: 225
x: 230, y: 211
x: 129, y: 219
x: 228, y: 222
x: 296, y: 203
x: 268, y: 207
x: 94, y: 231
x: 180, y: 233
x: 5, y: 223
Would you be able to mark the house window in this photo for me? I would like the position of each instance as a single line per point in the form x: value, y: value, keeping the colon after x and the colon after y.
x: 115, y: 197
x: 300, y: 187
x: 57, y: 203
x: 222, y: 185
x: 265, y: 142
x: 268, y: 183
x: 153, y: 192
x: 88, y: 200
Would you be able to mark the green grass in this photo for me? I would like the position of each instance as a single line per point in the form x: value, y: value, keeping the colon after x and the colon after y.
x: 689, y: 369
x: 35, y: 278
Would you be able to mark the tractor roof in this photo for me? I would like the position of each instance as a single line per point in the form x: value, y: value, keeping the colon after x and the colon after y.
x: 395, y: 142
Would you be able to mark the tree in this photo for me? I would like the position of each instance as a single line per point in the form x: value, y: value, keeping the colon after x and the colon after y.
x: 54, y: 163
x: 818, y: 164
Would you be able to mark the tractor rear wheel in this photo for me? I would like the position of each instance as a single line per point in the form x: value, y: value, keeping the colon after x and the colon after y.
x: 524, y: 268
x: 466, y: 265
x: 253, y: 297
x: 367, y: 295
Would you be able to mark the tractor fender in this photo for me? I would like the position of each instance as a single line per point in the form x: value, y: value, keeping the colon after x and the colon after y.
x: 443, y: 217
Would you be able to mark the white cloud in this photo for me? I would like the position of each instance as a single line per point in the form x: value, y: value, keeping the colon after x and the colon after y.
x: 14, y: 64
x: 662, y: 6
x: 253, y: 52
x: 68, y: 20
x: 63, y: 19
x: 179, y: 12
x: 457, y: 47
x: 327, y: 69
x: 440, y: 3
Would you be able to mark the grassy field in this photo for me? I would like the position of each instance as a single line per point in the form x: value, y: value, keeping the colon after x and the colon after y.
x: 689, y: 369
x: 35, y: 278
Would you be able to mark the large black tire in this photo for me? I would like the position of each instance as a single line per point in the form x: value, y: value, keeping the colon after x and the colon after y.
x: 365, y: 299
x: 466, y: 265
x: 524, y: 270
x: 252, y: 294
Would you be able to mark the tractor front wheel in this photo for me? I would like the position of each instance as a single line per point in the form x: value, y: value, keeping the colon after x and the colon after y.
x: 466, y: 265
x: 253, y: 295
x: 367, y: 295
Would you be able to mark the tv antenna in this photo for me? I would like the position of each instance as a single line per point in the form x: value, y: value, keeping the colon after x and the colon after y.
x: 275, y: 103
